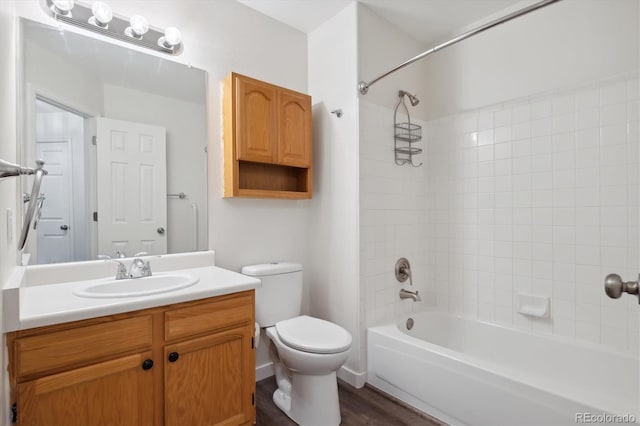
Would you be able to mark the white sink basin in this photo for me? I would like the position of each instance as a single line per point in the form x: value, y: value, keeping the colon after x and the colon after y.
x: 155, y: 284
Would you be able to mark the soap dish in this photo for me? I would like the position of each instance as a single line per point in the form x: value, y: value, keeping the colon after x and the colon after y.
x: 534, y: 306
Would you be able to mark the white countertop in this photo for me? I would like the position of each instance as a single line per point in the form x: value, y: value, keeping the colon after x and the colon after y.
x: 47, y: 304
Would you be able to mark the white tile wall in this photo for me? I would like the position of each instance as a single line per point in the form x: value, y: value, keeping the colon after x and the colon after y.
x: 539, y: 195
x: 392, y: 219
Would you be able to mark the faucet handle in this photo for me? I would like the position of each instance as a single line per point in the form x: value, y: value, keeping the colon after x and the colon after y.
x: 403, y: 271
x: 121, y: 274
x: 139, y: 268
x: 146, y: 269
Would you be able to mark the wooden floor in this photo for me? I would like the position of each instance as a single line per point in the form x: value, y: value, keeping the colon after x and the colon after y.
x: 357, y: 407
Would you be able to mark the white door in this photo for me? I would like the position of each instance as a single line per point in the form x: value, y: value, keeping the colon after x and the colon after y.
x: 132, y: 187
x: 54, y: 232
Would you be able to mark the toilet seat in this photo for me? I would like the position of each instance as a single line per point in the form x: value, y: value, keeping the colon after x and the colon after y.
x: 313, y: 335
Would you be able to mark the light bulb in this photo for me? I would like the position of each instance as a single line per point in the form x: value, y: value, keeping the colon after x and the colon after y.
x: 102, y: 14
x: 172, y: 38
x: 62, y: 7
x: 139, y: 26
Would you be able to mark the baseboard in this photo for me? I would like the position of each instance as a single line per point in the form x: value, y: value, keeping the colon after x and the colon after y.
x: 263, y: 371
x: 355, y: 379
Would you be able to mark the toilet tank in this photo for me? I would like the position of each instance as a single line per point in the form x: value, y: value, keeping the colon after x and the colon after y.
x: 280, y: 295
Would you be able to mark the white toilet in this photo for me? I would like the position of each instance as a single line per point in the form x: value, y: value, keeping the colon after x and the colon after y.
x: 306, y: 351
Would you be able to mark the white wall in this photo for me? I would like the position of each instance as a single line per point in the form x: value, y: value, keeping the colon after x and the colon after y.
x: 382, y: 46
x: 567, y: 43
x: 334, y: 236
x: 8, y: 187
x: 186, y: 141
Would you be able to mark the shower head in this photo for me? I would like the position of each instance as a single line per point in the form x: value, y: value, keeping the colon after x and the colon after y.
x: 412, y: 98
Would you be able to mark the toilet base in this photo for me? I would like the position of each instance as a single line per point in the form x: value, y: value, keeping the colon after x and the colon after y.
x: 313, y: 400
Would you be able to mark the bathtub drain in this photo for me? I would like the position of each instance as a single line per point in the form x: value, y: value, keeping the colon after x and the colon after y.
x: 409, y: 323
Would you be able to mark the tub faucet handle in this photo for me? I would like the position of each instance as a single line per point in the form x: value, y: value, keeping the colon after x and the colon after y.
x: 403, y: 270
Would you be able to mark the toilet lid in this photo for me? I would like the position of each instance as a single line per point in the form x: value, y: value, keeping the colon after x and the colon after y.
x: 314, y: 335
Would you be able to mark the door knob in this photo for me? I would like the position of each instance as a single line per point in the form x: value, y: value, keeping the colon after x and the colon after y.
x: 64, y: 227
x: 614, y: 286
x: 173, y: 356
x: 160, y: 230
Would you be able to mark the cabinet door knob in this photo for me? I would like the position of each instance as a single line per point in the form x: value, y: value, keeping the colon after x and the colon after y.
x: 173, y: 356
x: 147, y: 364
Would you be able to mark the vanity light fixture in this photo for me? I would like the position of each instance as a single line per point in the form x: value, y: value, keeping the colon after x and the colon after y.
x: 98, y: 17
x: 102, y: 14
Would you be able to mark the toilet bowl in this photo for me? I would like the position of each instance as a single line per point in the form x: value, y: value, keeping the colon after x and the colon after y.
x: 306, y: 351
x: 306, y: 365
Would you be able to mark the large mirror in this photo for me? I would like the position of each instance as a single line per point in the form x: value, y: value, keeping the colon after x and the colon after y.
x: 123, y: 136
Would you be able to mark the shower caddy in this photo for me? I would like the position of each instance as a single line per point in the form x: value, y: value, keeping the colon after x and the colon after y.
x: 405, y: 135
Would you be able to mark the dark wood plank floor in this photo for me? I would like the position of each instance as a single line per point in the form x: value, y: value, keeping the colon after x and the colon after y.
x: 357, y: 407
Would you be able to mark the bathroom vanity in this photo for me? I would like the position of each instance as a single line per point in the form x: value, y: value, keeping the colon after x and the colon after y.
x: 186, y: 357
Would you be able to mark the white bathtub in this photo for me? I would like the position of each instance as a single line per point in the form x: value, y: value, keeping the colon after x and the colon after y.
x: 465, y: 371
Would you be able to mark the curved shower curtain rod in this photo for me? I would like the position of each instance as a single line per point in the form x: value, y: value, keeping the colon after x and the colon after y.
x: 364, y: 86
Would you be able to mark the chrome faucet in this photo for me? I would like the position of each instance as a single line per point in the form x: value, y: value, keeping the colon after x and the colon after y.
x: 406, y: 294
x: 139, y: 268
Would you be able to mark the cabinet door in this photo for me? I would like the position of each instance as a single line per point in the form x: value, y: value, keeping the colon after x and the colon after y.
x: 294, y: 129
x: 211, y: 380
x: 116, y: 392
x: 256, y: 133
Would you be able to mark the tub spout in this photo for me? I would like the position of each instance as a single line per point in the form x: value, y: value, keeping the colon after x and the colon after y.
x: 406, y: 294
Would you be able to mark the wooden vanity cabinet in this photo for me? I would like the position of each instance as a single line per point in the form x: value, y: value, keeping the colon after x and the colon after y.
x: 267, y: 140
x: 190, y: 363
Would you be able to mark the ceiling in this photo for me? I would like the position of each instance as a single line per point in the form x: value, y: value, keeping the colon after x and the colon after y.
x: 425, y: 20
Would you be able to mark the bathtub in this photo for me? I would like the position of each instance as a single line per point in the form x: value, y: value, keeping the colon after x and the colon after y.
x: 465, y: 371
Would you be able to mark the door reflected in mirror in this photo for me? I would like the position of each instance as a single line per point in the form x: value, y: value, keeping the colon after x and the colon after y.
x: 123, y: 135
